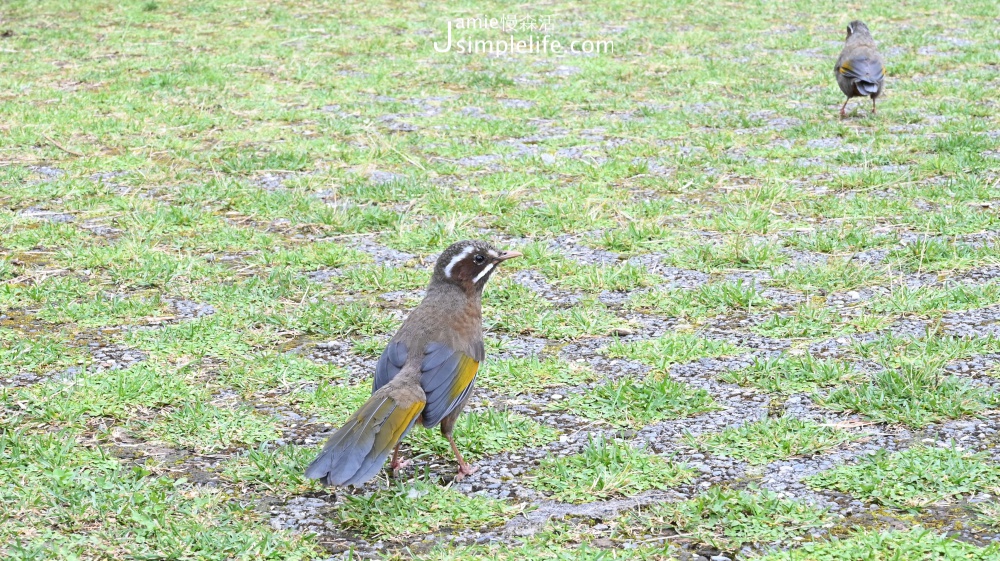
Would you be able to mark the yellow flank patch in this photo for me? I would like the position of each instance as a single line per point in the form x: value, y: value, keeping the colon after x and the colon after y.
x: 845, y: 67
x: 467, y: 369
x: 408, y: 414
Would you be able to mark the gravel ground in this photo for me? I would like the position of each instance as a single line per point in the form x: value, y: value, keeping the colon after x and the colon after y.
x: 503, y: 476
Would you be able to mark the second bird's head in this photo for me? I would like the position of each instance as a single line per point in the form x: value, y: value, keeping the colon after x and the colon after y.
x: 469, y: 264
x: 859, y: 29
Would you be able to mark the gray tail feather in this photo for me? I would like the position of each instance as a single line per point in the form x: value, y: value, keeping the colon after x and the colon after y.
x: 866, y: 88
x: 358, y: 450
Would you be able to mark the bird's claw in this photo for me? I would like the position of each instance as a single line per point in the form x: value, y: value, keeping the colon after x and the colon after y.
x: 463, y: 470
x: 399, y: 465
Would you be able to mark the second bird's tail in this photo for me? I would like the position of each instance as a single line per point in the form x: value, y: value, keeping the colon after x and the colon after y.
x: 866, y: 88
x: 358, y: 450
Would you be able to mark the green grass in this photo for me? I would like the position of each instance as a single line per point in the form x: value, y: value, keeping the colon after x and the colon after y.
x: 932, y: 349
x: 935, y: 254
x: 336, y: 319
x: 436, y: 236
x: 735, y: 253
x: 63, y: 500
x: 100, y: 310
x: 419, y: 507
x: 605, y: 469
x: 989, y: 515
x: 913, y: 395
x: 542, y: 551
x: 516, y: 376
x: 934, y: 301
x: 913, y: 479
x: 833, y: 276
x: 309, y: 256
x: 913, y: 387
x: 841, y: 239
x: 37, y: 352
x: 791, y: 374
x: 272, y: 160
x: 381, y: 278
x: 556, y: 541
x: 812, y: 321
x: 204, y: 428
x: 628, y: 402
x: 117, y: 394
x: 218, y: 336
x: 274, y: 371
x: 535, y: 317
x: 46, y: 290
x: 706, y: 301
x: 670, y: 349
x: 917, y: 543
x: 728, y: 518
x: 595, y: 278
x: 137, y: 264
x: 484, y: 434
x: 331, y: 402
x: 768, y: 440
x: 635, y: 237
x: 276, y: 470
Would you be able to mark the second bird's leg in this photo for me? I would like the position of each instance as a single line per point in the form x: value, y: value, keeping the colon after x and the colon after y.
x: 463, y: 468
x: 397, y: 463
x: 873, y: 105
x: 843, y: 108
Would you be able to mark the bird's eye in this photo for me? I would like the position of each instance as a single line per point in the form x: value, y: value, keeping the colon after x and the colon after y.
x: 479, y: 259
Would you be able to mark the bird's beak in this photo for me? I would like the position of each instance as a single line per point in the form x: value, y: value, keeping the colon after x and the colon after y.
x: 508, y: 255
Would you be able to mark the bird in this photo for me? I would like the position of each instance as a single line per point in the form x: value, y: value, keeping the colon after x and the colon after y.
x: 426, y: 373
x: 860, y: 69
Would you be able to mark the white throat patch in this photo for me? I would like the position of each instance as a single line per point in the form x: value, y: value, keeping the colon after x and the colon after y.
x: 455, y: 260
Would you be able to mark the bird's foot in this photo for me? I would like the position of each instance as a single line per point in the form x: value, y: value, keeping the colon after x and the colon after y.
x: 463, y: 470
x: 399, y: 464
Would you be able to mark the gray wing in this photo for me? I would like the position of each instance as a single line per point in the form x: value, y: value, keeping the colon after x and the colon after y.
x: 389, y: 364
x: 447, y: 377
x: 863, y: 70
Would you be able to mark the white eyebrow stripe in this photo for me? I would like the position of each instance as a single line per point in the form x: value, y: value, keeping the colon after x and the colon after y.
x: 483, y: 273
x: 454, y: 260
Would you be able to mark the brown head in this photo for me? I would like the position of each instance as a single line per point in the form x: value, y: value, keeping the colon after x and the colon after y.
x: 859, y: 31
x: 469, y: 264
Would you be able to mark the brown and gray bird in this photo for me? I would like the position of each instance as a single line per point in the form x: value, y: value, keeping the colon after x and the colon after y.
x: 425, y: 374
x: 860, y: 69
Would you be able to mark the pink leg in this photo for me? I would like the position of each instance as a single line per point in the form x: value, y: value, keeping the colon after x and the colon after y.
x: 873, y: 106
x: 397, y: 463
x: 843, y: 108
x: 463, y: 468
